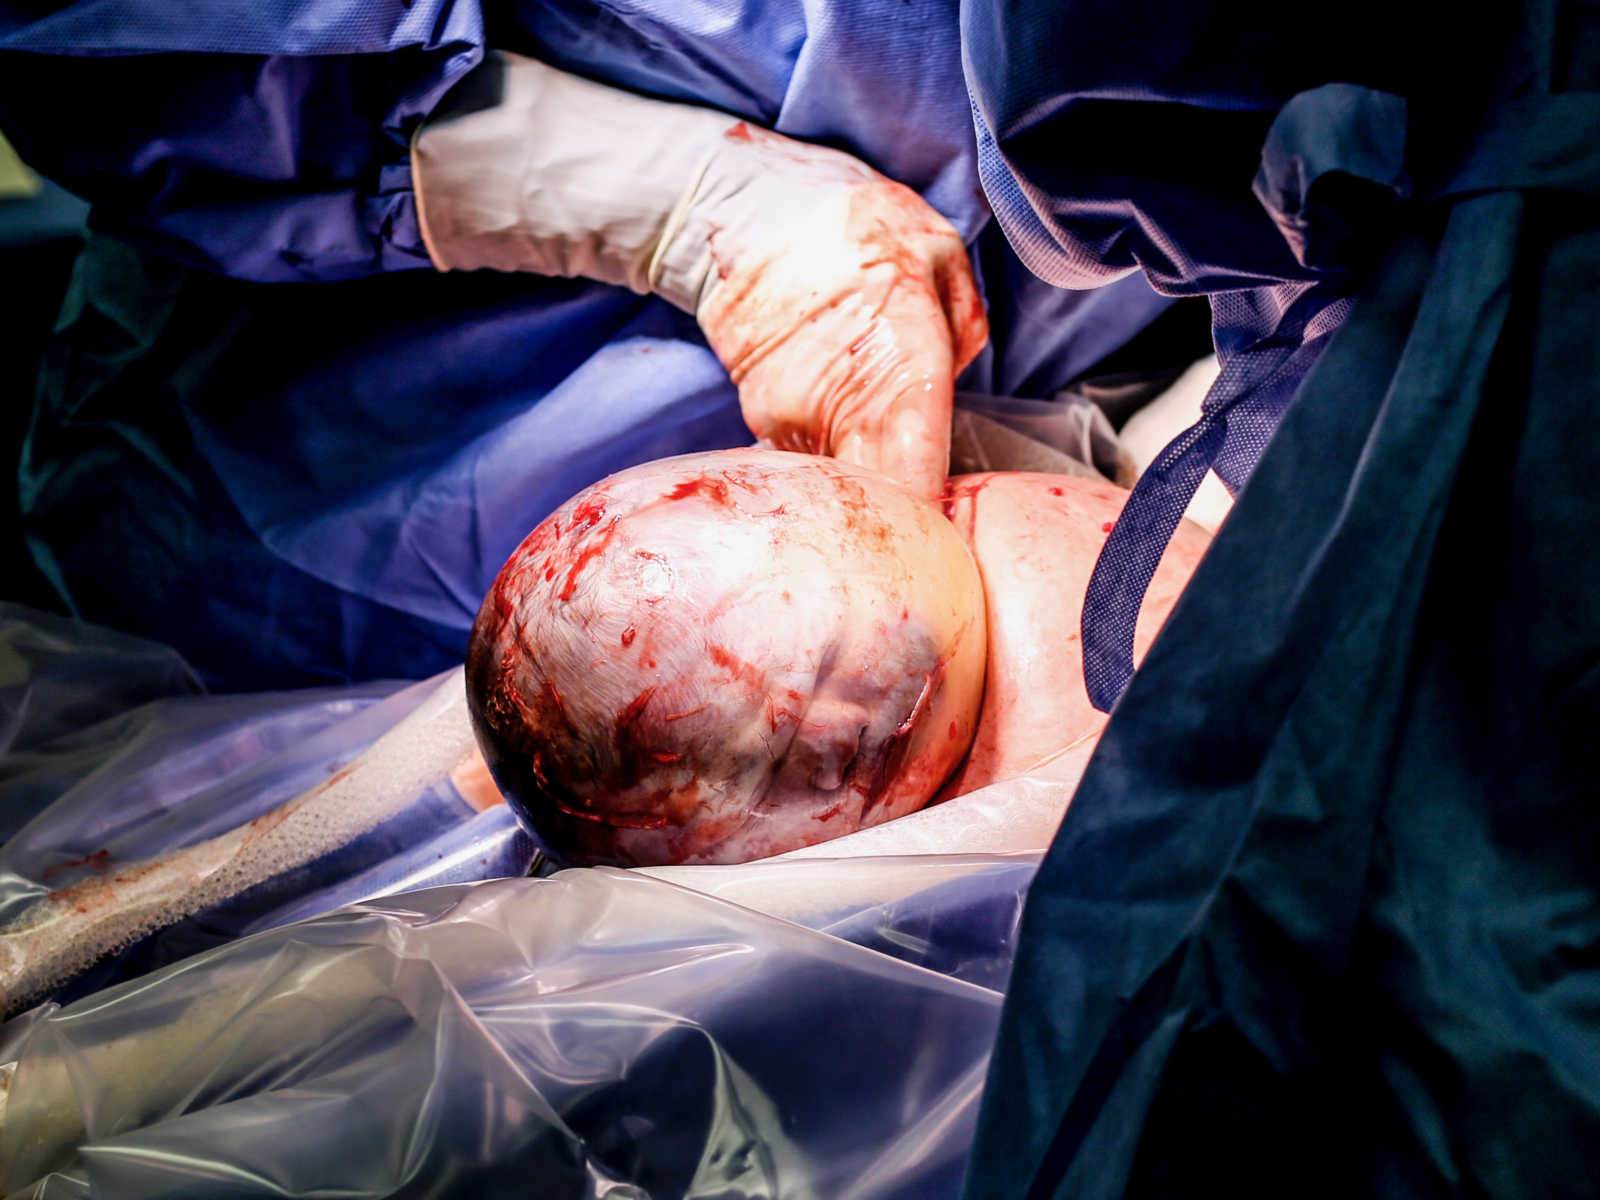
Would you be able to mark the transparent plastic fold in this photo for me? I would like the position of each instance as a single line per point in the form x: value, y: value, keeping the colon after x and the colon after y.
x: 595, y: 1033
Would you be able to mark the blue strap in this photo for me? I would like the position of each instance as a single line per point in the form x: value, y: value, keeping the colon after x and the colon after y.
x: 1129, y: 558
x: 1239, y: 416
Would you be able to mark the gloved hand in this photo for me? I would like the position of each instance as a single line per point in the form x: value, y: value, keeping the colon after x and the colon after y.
x: 841, y: 304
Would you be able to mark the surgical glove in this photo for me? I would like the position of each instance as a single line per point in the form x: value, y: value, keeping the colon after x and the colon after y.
x: 841, y: 304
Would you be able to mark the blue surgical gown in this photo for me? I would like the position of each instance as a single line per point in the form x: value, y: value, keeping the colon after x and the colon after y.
x: 269, y: 434
x: 1323, y: 918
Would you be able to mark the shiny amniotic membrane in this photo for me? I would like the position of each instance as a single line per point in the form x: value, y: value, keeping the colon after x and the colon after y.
x: 719, y: 657
x: 708, y: 659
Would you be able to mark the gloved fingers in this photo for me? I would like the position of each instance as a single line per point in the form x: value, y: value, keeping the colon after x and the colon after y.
x: 867, y: 377
x: 792, y: 438
x: 963, y: 306
x: 925, y: 246
x: 892, y: 412
x: 910, y: 442
x: 844, y: 327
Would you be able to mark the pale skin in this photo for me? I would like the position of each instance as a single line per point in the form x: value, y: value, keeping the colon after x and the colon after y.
x: 1036, y: 539
x: 726, y: 656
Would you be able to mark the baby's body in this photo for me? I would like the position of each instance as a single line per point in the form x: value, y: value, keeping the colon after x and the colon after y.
x: 720, y: 657
x: 1036, y: 539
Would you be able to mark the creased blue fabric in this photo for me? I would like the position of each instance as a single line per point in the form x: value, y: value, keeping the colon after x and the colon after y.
x: 326, y: 455
x: 266, y: 140
x: 1332, y: 139
x: 1156, y: 137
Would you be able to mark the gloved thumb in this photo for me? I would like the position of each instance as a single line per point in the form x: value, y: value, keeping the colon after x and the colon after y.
x: 912, y: 444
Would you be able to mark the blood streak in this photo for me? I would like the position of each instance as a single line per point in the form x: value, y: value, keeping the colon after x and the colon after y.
x: 628, y: 635
x: 613, y: 819
x: 98, y: 862
x: 967, y: 490
x: 892, y: 757
x: 525, y: 560
x: 590, y: 550
x: 777, y: 715
x: 133, y: 874
x: 736, y: 667
x: 557, y: 705
x: 715, y: 490
x: 630, y: 712
x: 267, y: 822
x: 589, y: 513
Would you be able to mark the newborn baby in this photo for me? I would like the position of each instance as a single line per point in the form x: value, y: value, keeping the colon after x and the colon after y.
x: 724, y: 656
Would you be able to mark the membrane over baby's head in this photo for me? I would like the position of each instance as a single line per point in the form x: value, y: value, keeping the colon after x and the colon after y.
x: 722, y: 656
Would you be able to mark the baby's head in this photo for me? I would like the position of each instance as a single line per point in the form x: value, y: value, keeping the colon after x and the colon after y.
x: 723, y: 656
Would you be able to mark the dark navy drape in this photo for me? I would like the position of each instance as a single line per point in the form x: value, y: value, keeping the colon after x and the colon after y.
x: 1324, y: 916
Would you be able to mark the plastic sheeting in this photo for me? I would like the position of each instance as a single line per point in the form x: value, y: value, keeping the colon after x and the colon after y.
x: 815, y: 1026
x: 595, y: 1034
x: 94, y: 781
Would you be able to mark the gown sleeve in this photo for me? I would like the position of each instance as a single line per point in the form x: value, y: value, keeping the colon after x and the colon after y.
x: 1116, y: 135
x: 266, y: 142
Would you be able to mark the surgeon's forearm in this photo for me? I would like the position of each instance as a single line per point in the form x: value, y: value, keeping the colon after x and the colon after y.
x: 527, y: 168
x: 842, y: 305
